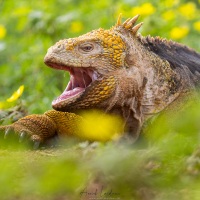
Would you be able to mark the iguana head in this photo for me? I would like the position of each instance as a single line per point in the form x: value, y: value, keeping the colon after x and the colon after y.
x: 91, y: 60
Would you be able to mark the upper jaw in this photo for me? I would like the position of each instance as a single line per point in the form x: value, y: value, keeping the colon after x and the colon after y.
x: 54, y: 61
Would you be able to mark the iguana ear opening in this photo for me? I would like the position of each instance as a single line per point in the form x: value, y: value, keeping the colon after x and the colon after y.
x: 129, y: 24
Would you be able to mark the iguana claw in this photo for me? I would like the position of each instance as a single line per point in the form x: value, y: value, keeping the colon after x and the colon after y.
x: 22, y: 136
x: 8, y: 131
x: 36, y: 128
x: 36, y: 145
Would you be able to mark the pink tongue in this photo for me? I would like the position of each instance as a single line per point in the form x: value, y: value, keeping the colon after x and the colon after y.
x: 70, y: 93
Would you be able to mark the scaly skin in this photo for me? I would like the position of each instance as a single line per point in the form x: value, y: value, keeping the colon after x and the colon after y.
x: 117, y: 71
x: 43, y: 127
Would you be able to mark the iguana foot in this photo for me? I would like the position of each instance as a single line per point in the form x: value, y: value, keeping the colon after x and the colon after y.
x: 36, y: 128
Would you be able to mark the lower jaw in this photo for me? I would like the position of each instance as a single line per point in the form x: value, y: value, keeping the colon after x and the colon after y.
x: 67, y: 97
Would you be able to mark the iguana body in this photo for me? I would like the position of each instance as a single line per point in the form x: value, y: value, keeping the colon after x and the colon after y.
x: 119, y: 72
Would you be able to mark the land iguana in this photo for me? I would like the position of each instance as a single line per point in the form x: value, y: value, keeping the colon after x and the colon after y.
x: 117, y: 71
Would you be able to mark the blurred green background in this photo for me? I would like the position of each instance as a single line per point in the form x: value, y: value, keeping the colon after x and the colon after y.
x: 163, y: 164
x: 29, y: 28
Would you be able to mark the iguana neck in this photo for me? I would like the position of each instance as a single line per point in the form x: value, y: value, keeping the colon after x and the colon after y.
x: 163, y: 85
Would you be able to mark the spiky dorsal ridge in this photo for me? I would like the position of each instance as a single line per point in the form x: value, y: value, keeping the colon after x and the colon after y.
x: 176, y: 54
x: 129, y: 24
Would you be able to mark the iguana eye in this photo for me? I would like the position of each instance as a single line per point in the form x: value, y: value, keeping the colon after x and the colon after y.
x: 85, y: 48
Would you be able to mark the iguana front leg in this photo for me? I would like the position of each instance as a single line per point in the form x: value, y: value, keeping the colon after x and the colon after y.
x: 40, y: 128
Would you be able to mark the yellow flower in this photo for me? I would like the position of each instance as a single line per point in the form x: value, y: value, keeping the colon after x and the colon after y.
x: 76, y: 26
x: 2, y: 31
x: 170, y: 3
x: 98, y: 126
x: 16, y: 94
x: 179, y: 32
x: 145, y: 9
x: 168, y: 15
x: 197, y: 25
x: 188, y: 10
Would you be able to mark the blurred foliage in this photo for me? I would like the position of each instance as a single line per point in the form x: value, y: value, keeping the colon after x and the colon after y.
x: 163, y: 164
x: 29, y: 28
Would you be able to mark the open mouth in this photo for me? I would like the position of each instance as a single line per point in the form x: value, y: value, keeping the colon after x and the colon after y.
x: 80, y: 79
